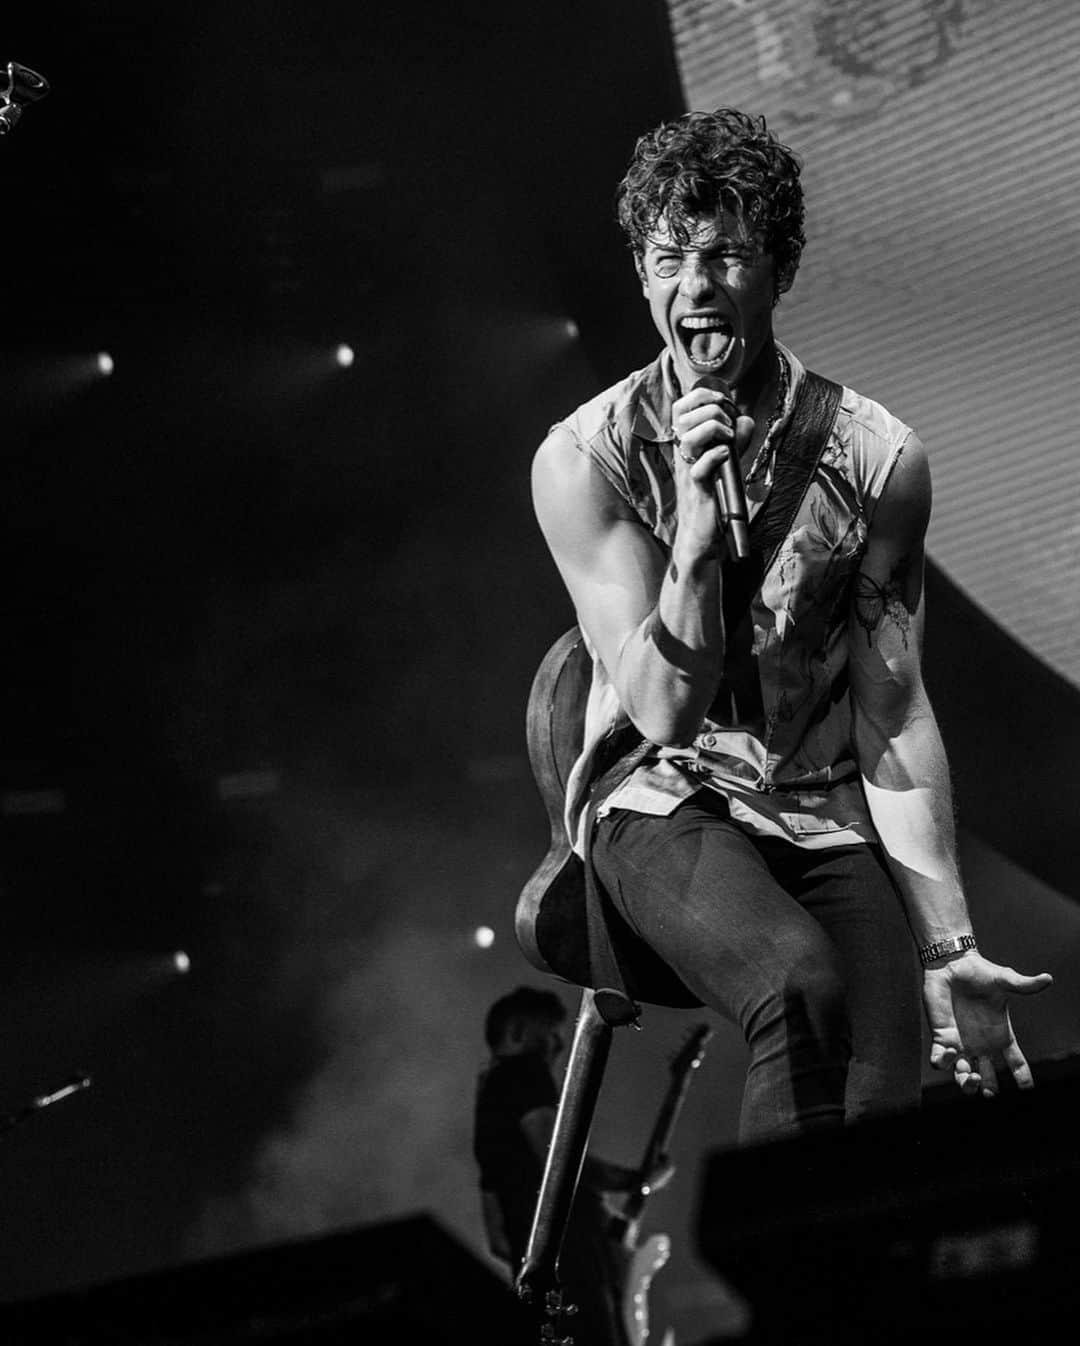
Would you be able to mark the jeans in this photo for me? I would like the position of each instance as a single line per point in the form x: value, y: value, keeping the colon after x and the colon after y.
x: 808, y: 951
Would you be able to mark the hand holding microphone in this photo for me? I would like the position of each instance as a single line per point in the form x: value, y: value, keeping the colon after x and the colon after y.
x: 732, y: 491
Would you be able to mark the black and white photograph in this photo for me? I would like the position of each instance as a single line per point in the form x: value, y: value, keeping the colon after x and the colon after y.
x: 540, y: 674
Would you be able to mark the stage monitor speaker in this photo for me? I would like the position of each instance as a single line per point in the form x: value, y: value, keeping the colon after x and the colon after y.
x: 947, y: 1223
x: 380, y: 1285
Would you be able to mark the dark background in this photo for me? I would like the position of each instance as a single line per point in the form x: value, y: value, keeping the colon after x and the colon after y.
x: 270, y: 623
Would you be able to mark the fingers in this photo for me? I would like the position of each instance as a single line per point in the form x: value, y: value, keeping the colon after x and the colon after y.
x: 703, y: 408
x: 965, y: 1074
x: 1018, y: 1066
x: 744, y: 432
x: 701, y: 396
x: 705, y: 466
x: 705, y: 426
x: 1016, y: 981
x: 975, y: 1073
x: 970, y: 1025
x: 705, y: 447
x: 968, y: 1075
x: 942, y: 1057
x: 1008, y: 979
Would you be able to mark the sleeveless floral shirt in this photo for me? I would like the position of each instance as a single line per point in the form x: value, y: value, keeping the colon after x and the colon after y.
x: 783, y: 756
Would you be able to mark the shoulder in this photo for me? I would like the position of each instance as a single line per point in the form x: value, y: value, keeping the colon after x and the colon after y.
x: 887, y: 460
x: 866, y: 436
x: 569, y: 486
x: 906, y: 501
x: 865, y: 416
x: 612, y: 413
x: 613, y: 426
x: 587, y: 460
x: 870, y: 435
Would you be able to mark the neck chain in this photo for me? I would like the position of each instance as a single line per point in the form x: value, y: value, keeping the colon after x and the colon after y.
x: 764, y: 453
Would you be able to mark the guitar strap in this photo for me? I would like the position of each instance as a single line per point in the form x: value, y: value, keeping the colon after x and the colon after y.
x: 611, y: 952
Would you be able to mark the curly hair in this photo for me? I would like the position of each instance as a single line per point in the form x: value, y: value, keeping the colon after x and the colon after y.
x: 526, y: 1002
x: 701, y: 162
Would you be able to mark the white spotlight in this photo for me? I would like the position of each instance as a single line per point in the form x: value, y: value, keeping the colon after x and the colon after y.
x: 105, y: 363
x: 571, y: 329
x: 181, y: 961
x: 483, y: 937
x: 344, y: 355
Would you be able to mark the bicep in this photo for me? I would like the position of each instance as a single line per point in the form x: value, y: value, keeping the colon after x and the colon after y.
x: 611, y: 565
x: 886, y: 616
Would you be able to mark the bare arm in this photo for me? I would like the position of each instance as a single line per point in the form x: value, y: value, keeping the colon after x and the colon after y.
x: 655, y: 622
x: 906, y: 778
x: 897, y: 743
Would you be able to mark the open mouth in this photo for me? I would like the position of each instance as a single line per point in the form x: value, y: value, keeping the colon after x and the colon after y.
x: 708, y: 339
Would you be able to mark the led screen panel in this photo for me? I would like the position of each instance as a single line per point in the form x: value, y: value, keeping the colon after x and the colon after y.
x: 941, y: 144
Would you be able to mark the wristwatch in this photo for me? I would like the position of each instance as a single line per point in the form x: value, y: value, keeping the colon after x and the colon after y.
x: 929, y: 953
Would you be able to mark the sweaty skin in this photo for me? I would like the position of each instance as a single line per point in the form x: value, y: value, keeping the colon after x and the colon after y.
x: 906, y: 781
x: 656, y: 622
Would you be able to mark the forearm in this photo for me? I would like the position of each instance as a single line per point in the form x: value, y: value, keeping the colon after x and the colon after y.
x: 906, y: 780
x: 670, y: 665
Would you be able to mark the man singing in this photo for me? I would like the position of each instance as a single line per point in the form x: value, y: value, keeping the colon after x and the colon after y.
x: 786, y: 843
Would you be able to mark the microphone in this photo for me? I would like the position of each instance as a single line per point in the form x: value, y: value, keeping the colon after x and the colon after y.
x: 731, y: 483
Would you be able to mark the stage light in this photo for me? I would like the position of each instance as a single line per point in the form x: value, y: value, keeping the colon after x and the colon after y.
x: 105, y: 363
x: 344, y: 355
x: 571, y: 329
x: 483, y: 937
x: 181, y: 961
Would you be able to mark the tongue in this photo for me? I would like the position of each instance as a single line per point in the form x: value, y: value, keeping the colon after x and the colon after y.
x: 708, y: 346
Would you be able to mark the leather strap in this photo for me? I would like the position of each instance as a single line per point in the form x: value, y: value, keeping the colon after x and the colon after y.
x: 803, y: 442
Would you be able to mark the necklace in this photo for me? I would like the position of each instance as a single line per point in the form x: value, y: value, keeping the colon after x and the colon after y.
x: 764, y: 453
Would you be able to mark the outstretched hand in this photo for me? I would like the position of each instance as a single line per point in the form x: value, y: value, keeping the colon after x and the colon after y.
x: 966, y: 1004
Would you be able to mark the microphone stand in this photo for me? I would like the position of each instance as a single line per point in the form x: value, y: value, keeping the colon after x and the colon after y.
x: 73, y: 1086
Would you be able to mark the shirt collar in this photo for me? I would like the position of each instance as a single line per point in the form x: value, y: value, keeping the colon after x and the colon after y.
x: 658, y: 390
x: 656, y: 393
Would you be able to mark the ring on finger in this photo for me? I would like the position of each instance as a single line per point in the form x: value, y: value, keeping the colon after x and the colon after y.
x: 685, y: 456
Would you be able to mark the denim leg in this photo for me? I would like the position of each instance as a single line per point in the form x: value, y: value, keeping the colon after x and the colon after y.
x: 698, y: 890
x: 848, y: 890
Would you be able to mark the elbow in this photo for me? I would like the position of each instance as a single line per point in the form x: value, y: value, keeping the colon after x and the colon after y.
x: 668, y: 729
x: 889, y: 742
x: 667, y: 704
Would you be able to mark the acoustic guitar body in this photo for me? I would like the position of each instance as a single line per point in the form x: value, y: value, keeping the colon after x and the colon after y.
x: 550, y: 919
x: 550, y: 916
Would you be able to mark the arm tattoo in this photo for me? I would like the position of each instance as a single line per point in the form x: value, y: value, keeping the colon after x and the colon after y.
x: 894, y: 601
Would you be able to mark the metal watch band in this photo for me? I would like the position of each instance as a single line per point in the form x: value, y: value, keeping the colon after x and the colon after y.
x: 957, y: 944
